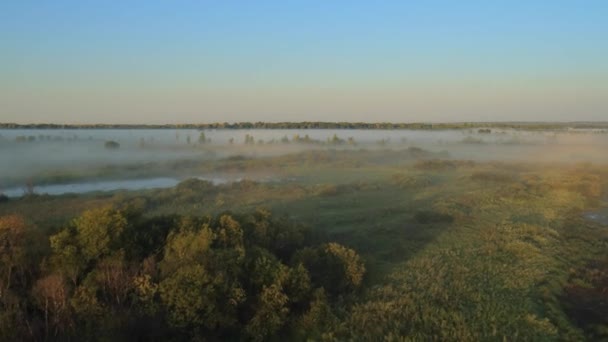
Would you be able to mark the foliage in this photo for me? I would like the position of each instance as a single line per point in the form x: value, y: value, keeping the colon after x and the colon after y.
x: 228, y: 276
x: 111, y: 145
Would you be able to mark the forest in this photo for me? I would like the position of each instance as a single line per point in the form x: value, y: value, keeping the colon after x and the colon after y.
x: 112, y: 274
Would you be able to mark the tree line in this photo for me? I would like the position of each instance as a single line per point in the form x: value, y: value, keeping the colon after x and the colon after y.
x: 320, y: 125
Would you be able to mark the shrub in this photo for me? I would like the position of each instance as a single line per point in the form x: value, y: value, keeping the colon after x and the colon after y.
x: 111, y: 145
x: 412, y: 181
x: 194, y: 184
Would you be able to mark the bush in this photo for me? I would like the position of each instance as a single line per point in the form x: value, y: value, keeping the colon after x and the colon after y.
x: 111, y: 145
x: 194, y: 184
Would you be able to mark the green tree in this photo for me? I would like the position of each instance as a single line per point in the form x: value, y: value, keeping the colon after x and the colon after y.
x: 337, y: 268
x: 186, y: 247
x: 264, y: 269
x: 67, y: 258
x: 98, y: 231
x: 189, y: 296
x: 348, y: 262
x: 318, y: 318
x: 270, y: 315
x: 197, y: 288
x: 145, y: 292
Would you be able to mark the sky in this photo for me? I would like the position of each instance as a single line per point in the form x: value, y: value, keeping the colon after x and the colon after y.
x: 224, y: 61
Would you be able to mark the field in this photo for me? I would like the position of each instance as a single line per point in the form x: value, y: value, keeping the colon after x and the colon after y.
x: 325, y: 242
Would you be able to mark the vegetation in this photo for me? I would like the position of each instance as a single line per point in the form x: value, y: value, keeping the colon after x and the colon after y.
x: 353, y: 244
x: 325, y: 125
x: 111, y: 271
x: 111, y: 145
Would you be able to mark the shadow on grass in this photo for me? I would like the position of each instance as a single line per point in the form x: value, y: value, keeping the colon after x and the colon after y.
x: 384, y: 225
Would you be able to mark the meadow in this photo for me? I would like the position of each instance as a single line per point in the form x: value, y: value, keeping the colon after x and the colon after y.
x: 462, y: 236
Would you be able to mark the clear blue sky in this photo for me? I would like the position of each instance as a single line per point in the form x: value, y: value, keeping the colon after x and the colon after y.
x: 206, y: 61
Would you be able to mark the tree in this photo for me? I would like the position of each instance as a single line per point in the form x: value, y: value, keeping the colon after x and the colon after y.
x: 270, y: 315
x: 145, y: 292
x: 94, y: 234
x: 12, y: 250
x: 335, y: 140
x: 202, y: 138
x: 51, y: 295
x: 318, y: 317
x: 197, y: 288
x: 229, y: 233
x: 337, y: 268
x: 264, y: 269
x: 351, y: 263
x: 188, y: 296
x: 111, y: 145
x: 98, y: 231
x: 186, y: 247
x: 297, y: 284
x: 14, y: 282
x: 114, y: 278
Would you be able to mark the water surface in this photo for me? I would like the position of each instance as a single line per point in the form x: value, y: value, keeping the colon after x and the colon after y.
x: 84, y: 187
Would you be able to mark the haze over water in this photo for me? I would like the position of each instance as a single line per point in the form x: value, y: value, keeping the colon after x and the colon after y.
x: 75, y: 160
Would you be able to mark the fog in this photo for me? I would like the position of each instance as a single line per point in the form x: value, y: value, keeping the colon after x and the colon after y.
x: 40, y: 157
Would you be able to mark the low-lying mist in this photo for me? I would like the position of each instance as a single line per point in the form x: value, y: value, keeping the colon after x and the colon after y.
x: 35, y: 157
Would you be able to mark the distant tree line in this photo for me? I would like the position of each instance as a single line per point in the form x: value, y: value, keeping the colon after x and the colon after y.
x: 322, y: 125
